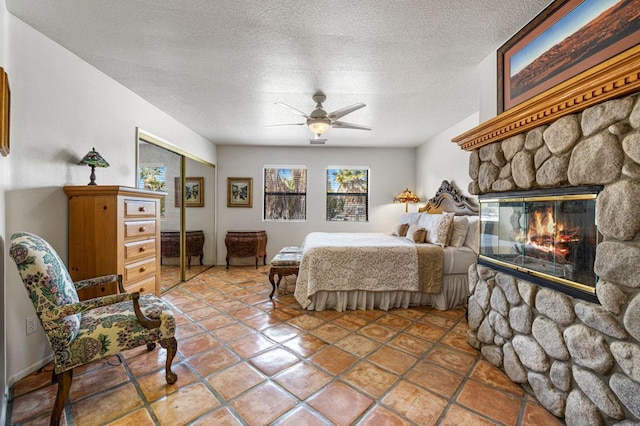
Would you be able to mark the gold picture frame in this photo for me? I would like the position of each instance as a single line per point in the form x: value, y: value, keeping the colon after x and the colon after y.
x: 194, y: 192
x: 5, y: 104
x: 239, y: 192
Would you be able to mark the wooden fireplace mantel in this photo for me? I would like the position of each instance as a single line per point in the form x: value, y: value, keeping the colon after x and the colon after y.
x: 613, y: 78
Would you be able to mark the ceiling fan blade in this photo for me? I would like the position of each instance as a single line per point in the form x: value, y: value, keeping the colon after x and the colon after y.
x: 297, y: 111
x: 288, y: 124
x: 343, y: 125
x: 344, y: 111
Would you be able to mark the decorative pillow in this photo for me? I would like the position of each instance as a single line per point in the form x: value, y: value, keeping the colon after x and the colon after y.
x: 410, y: 218
x: 437, y: 226
x: 473, y: 231
x: 416, y: 234
x: 400, y: 229
x: 458, y: 231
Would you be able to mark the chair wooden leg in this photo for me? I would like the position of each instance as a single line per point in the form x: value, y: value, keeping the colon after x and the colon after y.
x: 171, y: 345
x: 64, y: 384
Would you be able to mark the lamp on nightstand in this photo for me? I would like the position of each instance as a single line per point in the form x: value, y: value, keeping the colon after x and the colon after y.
x: 93, y: 159
x: 407, y: 196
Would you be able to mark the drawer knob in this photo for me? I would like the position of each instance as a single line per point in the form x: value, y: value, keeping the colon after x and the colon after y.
x: 142, y: 248
x: 142, y: 269
x: 142, y: 290
x: 142, y: 208
x: 142, y: 229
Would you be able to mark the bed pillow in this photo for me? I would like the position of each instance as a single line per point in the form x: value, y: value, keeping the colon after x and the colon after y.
x: 437, y: 226
x: 400, y: 229
x: 458, y: 231
x: 416, y: 234
x: 410, y: 218
x: 473, y: 232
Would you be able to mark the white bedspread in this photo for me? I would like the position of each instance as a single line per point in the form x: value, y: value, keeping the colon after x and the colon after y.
x: 330, y: 262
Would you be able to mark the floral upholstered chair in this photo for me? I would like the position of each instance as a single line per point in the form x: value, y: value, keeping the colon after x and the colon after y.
x: 80, y: 332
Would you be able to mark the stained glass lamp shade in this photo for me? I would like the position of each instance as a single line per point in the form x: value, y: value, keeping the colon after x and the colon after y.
x: 93, y: 159
x: 407, y: 196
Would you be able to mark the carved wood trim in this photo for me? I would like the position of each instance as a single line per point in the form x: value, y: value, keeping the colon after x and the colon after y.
x: 616, y: 77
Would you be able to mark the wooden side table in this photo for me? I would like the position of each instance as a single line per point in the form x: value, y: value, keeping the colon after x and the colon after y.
x: 170, y: 245
x: 246, y: 244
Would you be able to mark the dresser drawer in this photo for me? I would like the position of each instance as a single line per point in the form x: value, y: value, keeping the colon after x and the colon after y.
x: 138, y: 249
x: 139, y: 208
x: 139, y: 270
x: 146, y: 286
x: 140, y: 228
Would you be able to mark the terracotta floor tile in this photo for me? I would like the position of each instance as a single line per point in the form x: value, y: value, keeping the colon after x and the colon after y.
x: 370, y: 379
x: 458, y: 361
x: 491, y: 402
x: 411, y: 344
x: 412, y: 314
x: 148, y: 361
x: 350, y: 321
x: 261, y: 322
x: 96, y: 381
x: 491, y: 375
x: 36, y: 380
x: 457, y: 415
x: 302, y: 379
x: 333, y: 360
x: 300, y: 416
x: 461, y: 328
x: 184, y: 405
x: 379, y: 416
x: 394, y: 360
x: 369, y: 314
x: 212, y: 361
x: 235, y: 380
x: 426, y: 331
x: 217, y: 321
x: 232, y: 332
x: 107, y: 405
x: 137, y: 418
x: 535, y: 415
x: 184, y: 331
x: 263, y: 404
x: 330, y: 332
x: 396, y: 322
x: 326, y: 315
x: 378, y: 332
x: 305, y: 322
x: 250, y: 345
x: 34, y: 403
x: 358, y: 345
x: 305, y: 345
x: 459, y: 342
x: 438, y: 320
x: 155, y: 385
x: 246, y: 313
x: 274, y: 361
x: 195, y: 345
x: 220, y: 417
x: 415, y: 403
x: 340, y: 403
x: 281, y: 332
x: 203, y: 313
x: 435, y: 378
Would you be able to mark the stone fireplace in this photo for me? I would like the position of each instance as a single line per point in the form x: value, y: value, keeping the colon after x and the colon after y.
x: 580, y: 358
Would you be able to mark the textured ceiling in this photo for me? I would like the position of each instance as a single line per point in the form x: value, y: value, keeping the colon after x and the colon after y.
x: 220, y: 66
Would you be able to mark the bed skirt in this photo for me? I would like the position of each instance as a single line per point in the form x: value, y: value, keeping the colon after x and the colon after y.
x: 455, y: 292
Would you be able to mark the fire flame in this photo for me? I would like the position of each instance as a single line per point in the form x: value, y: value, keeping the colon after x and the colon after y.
x: 545, y: 234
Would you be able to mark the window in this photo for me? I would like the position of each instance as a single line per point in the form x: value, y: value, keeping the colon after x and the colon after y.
x: 348, y: 195
x: 285, y: 193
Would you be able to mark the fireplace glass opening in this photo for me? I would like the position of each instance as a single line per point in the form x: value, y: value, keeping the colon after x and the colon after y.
x: 547, y: 238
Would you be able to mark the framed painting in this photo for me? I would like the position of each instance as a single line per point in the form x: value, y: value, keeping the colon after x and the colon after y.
x: 564, y: 40
x: 5, y: 103
x: 194, y: 192
x: 239, y: 192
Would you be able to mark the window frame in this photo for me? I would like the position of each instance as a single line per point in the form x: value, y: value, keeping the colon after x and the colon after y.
x: 266, y: 193
x: 329, y: 194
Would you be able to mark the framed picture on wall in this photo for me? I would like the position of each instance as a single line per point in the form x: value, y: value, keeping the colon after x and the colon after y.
x: 194, y: 192
x: 5, y: 103
x: 239, y: 192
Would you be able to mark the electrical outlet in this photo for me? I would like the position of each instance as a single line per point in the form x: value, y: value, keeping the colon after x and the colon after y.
x: 32, y: 324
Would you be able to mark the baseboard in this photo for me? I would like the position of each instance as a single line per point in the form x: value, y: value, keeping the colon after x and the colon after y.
x: 30, y: 369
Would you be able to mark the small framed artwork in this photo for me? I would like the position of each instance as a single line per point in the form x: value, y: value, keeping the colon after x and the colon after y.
x: 239, y: 192
x: 5, y: 103
x: 194, y: 192
x: 564, y: 40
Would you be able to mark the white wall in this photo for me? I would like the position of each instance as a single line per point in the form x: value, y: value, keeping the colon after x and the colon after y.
x: 61, y: 107
x: 391, y: 170
x: 4, y: 178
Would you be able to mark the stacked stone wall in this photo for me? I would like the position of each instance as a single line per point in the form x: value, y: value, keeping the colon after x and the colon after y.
x: 580, y: 359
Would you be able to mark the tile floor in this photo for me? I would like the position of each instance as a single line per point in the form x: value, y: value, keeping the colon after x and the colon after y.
x: 244, y: 359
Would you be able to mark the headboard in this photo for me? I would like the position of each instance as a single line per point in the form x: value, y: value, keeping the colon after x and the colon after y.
x: 447, y: 199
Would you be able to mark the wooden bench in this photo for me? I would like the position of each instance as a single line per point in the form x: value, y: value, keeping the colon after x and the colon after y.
x: 286, y: 262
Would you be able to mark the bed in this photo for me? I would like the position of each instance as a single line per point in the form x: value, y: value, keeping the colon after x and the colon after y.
x: 376, y: 270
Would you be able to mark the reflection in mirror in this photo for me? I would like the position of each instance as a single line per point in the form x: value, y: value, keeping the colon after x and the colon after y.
x: 160, y: 169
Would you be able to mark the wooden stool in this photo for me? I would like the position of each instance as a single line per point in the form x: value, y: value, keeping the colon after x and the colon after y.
x: 284, y: 263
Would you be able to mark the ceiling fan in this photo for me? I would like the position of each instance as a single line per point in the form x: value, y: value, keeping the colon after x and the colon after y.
x: 319, y: 121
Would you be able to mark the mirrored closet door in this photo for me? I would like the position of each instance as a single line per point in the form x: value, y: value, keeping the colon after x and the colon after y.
x: 187, y: 212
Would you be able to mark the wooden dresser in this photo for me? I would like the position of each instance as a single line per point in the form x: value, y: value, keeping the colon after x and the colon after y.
x: 115, y: 230
x: 246, y: 244
x: 170, y: 243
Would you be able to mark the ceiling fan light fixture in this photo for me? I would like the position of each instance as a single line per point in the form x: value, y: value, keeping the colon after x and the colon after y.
x: 319, y: 125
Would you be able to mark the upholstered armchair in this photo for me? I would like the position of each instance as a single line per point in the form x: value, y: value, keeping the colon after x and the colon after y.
x: 81, y: 332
